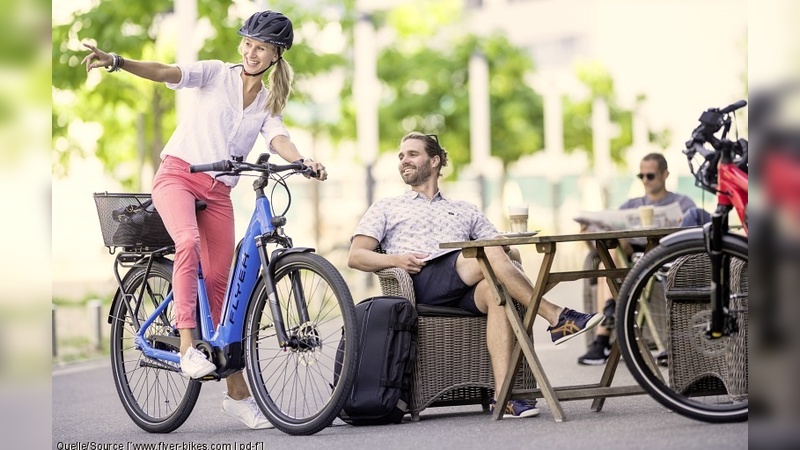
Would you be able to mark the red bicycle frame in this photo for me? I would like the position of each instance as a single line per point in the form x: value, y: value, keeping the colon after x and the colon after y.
x: 732, y: 190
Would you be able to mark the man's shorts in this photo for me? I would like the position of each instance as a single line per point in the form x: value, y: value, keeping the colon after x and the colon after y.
x: 438, y: 284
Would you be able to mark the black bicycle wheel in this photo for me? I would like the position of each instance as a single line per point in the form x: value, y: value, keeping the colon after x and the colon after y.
x: 663, y: 339
x: 302, y: 388
x: 158, y: 400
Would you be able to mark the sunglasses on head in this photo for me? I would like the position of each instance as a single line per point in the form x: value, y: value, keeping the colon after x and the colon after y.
x: 436, y: 139
x: 649, y: 176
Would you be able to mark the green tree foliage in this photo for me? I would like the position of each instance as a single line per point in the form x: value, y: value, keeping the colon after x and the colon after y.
x: 134, y: 117
x: 427, y: 89
x: 424, y: 77
x: 578, y: 114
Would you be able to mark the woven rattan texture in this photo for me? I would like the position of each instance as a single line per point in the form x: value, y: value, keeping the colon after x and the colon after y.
x: 453, y: 365
x: 698, y: 365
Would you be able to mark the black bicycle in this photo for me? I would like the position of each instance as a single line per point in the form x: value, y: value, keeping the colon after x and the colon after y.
x: 703, y: 272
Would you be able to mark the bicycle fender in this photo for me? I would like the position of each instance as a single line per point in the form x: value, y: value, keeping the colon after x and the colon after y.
x: 118, y: 293
x: 694, y: 234
x: 279, y: 253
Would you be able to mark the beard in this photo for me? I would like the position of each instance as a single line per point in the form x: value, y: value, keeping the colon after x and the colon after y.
x: 417, y: 176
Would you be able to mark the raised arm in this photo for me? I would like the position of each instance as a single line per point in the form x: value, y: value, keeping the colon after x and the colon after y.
x: 155, y: 71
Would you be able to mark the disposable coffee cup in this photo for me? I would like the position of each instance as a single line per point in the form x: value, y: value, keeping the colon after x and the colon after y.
x: 646, y: 215
x: 518, y: 215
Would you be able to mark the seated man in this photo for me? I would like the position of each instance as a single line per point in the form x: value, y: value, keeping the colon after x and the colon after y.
x: 653, y: 173
x: 409, y: 229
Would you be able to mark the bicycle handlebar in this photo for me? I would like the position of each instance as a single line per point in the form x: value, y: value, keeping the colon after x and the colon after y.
x: 219, y: 166
x: 236, y: 167
x: 711, y: 121
x: 733, y: 107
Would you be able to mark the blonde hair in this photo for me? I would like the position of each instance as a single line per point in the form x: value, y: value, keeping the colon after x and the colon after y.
x: 280, y: 82
x: 280, y: 85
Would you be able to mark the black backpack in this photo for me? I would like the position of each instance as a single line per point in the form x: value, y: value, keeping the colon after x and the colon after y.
x: 387, y: 352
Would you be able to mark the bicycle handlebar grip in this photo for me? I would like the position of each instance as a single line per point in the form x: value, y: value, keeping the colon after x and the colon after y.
x: 219, y: 166
x: 298, y: 166
x: 733, y: 107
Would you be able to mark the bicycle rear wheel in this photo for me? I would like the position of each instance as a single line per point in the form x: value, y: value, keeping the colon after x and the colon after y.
x: 701, y: 378
x: 302, y: 388
x: 158, y: 400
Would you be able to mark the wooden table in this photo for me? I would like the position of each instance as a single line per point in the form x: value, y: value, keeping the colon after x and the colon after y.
x: 546, y: 280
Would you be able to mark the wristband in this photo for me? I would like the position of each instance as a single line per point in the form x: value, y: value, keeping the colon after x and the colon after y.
x: 115, y: 63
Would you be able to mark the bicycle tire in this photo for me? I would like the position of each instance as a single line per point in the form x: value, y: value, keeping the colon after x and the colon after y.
x: 158, y: 400
x: 301, y: 391
x: 703, y: 379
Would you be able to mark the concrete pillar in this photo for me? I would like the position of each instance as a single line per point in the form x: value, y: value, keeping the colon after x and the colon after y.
x: 480, y: 136
x: 366, y: 91
x: 186, y: 51
x: 601, y: 141
x: 95, y: 324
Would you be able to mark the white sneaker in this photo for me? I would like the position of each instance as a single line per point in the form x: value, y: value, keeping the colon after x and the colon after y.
x: 195, y: 365
x: 247, y: 411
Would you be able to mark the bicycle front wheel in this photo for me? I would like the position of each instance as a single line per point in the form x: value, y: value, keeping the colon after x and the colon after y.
x: 158, y: 400
x: 302, y: 387
x: 663, y: 310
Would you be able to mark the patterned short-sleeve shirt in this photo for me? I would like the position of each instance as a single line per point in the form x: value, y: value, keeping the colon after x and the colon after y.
x: 413, y: 223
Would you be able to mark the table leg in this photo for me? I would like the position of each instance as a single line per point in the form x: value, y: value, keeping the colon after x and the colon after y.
x: 613, y: 358
x: 525, y: 345
x: 522, y: 331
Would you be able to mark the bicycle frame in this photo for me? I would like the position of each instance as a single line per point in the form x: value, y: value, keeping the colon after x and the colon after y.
x: 731, y: 193
x: 252, y: 262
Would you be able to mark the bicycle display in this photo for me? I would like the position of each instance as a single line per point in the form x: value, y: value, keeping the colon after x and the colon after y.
x: 288, y: 318
x: 682, y: 309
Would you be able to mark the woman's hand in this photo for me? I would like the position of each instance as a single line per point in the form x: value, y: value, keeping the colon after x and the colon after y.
x: 289, y: 152
x: 97, y: 58
x: 317, y: 167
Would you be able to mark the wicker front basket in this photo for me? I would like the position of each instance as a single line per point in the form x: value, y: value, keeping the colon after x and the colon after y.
x: 147, y: 232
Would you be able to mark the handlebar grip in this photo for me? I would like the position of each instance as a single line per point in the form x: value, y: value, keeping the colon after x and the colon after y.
x: 300, y: 167
x: 219, y: 166
x: 733, y: 107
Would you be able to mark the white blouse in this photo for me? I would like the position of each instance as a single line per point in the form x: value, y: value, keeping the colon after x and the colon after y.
x: 217, y: 126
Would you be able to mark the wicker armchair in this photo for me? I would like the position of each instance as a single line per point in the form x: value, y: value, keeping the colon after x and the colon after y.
x: 698, y: 366
x: 453, y: 365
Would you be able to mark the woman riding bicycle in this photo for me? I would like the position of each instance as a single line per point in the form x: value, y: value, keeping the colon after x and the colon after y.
x: 231, y: 107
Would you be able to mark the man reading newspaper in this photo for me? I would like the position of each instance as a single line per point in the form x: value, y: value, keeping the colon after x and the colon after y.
x: 669, y: 209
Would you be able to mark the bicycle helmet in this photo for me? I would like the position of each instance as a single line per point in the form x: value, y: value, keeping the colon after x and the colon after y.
x: 269, y: 26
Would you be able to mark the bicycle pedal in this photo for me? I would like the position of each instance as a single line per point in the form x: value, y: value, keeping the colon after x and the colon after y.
x: 213, y: 376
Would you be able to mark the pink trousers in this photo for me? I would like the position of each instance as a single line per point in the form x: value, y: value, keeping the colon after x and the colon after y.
x: 205, y: 237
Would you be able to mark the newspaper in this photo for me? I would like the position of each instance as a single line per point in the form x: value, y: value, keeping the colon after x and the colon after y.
x: 627, y: 219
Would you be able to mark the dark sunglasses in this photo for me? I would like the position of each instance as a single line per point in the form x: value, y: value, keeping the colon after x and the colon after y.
x: 649, y: 176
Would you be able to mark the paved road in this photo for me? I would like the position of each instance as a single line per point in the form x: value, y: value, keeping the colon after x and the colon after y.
x: 86, y: 411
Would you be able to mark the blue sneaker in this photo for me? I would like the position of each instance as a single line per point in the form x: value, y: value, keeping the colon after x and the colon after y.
x: 518, y: 408
x: 572, y: 323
